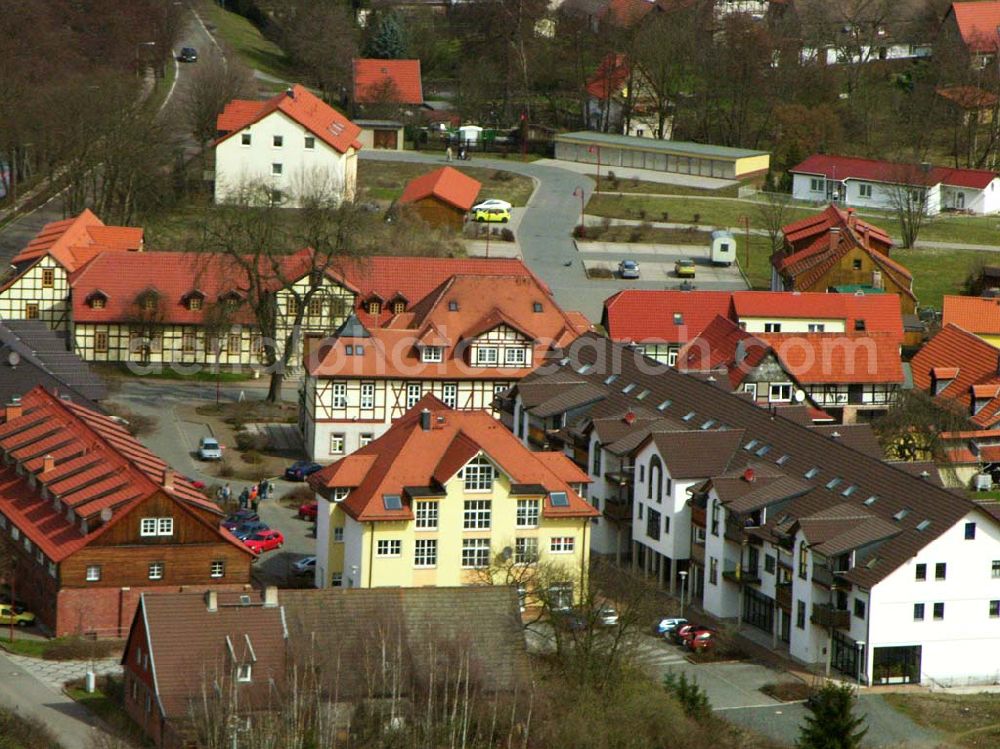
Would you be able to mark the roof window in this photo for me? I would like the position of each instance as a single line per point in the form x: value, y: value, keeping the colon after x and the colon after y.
x: 392, y: 502
x: 751, y: 445
x: 688, y: 416
x: 832, y: 483
x: 923, y: 525
x: 678, y: 318
x: 536, y: 307
x: 453, y: 306
x: 559, y: 499
x: 850, y: 490
x: 610, y: 378
x: 629, y: 388
x: 708, y: 424
x: 901, y: 514
x: 663, y: 406
x: 812, y: 473
x: 783, y: 459
x: 871, y: 500
x: 642, y: 395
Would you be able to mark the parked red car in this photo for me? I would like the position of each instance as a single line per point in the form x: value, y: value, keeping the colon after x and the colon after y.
x: 308, y: 510
x: 263, y: 541
x: 702, y: 639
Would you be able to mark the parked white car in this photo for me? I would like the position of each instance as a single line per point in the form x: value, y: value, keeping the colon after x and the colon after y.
x: 209, y: 449
x: 492, y: 203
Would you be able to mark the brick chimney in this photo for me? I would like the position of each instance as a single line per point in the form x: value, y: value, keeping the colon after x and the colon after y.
x: 48, y: 463
x: 14, y: 409
x: 271, y: 597
x: 211, y: 601
x: 866, y: 237
x: 168, y: 477
x: 834, y: 237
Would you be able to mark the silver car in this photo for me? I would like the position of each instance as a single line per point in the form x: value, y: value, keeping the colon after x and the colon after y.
x: 628, y: 269
x: 209, y: 449
x: 305, y: 566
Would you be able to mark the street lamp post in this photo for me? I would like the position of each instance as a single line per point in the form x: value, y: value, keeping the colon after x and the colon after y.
x: 860, y: 645
x: 683, y: 574
x: 579, y: 193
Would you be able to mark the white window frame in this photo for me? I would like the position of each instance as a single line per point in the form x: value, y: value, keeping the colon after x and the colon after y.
x: 244, y: 673
x: 164, y: 526
x: 425, y: 553
x: 475, y: 472
x: 487, y: 356
x: 217, y: 569
x: 426, y: 514
x: 816, y: 327
x: 155, y: 570
x: 367, y: 395
x: 431, y: 354
x: 93, y: 573
x: 337, y: 443
x: 148, y: 526
x: 477, y: 514
x: 865, y: 190
x: 449, y: 394
x: 750, y: 387
x: 528, y: 513
x: 337, y: 580
x: 389, y: 548
x: 515, y: 357
x: 414, y: 390
x: 475, y: 553
x: 562, y: 544
x: 772, y: 327
x: 526, y: 550
x: 817, y: 184
x: 365, y: 439
x: 338, y: 395
x: 779, y: 387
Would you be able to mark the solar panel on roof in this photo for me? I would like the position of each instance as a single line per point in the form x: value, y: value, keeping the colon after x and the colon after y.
x: 392, y: 501
x: 559, y: 499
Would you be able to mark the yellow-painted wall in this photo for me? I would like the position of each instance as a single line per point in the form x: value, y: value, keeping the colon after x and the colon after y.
x: 752, y: 164
x: 401, y: 571
x: 991, y: 338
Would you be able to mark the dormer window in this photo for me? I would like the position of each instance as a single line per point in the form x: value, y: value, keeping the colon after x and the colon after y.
x: 859, y: 325
x: 431, y: 354
x: 195, y: 301
x: 536, y: 307
x: 478, y: 474
x: 374, y: 307
x: 244, y: 673
x: 453, y: 306
x: 98, y: 301
x: 148, y: 302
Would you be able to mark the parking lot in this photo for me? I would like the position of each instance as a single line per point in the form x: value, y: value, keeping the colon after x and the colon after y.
x: 656, y: 264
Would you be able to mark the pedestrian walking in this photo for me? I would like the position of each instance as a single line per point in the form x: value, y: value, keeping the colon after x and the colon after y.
x: 447, y: 153
x: 268, y: 488
x: 227, y: 493
x: 244, y: 497
x: 255, y: 503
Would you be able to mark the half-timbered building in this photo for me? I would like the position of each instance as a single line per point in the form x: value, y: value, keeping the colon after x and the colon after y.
x: 91, y: 519
x: 37, y: 285
x: 466, y: 340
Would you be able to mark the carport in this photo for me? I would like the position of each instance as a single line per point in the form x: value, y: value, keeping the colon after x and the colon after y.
x: 678, y: 157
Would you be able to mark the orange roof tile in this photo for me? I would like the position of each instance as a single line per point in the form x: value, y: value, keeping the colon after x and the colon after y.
x: 73, y: 242
x: 373, y: 79
x: 626, y: 13
x: 976, y: 363
x: 977, y: 24
x: 315, y: 115
x: 836, y: 358
x: 610, y: 77
x: 447, y: 184
x: 975, y: 314
x: 944, y: 373
x: 409, y: 456
x: 723, y: 347
x: 98, y: 466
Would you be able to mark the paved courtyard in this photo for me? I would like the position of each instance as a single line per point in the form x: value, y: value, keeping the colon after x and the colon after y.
x: 55, y: 674
x: 656, y: 265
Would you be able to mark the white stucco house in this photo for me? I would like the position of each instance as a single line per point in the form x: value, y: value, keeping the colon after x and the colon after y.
x: 867, y: 183
x: 294, y: 144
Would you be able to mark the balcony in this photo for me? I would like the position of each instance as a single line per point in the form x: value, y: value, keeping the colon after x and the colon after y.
x: 783, y: 595
x: 623, y: 476
x: 537, y: 437
x: 620, y: 512
x: 744, y: 575
x: 826, y: 615
x: 698, y: 516
x: 698, y: 553
x: 823, y: 575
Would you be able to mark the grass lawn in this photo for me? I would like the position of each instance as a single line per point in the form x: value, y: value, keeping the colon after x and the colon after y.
x: 167, y: 372
x: 631, y: 184
x: 19, y: 732
x: 971, y: 229
x: 937, y: 272
x: 106, y: 702
x: 970, y: 720
x: 61, y: 648
x: 713, y: 212
x: 162, y: 87
x: 648, y: 234
x: 246, y: 40
x: 384, y: 180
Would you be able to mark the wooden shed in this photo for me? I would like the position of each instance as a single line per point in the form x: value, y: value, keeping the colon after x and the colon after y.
x: 441, y: 197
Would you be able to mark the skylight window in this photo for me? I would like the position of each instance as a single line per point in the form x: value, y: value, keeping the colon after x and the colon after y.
x: 871, y: 500
x: 751, y: 445
x: 688, y: 416
x: 678, y: 318
x: 832, y: 483
x: 901, y: 514
x: 584, y: 368
x: 663, y: 406
x: 812, y: 473
x: 610, y: 378
x: 629, y: 388
x: 392, y: 502
x: 643, y: 394
x: 761, y: 452
x: 708, y: 424
x: 783, y: 459
x: 559, y: 499
x: 850, y: 490
x: 564, y: 361
x: 923, y: 525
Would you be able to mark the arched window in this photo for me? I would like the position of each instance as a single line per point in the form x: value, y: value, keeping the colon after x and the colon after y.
x: 655, y: 478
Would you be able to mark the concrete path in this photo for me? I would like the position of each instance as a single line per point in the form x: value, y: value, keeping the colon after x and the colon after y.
x: 55, y: 674
x: 21, y: 691
x: 643, y: 175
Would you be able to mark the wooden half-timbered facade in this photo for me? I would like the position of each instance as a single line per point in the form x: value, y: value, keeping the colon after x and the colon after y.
x: 466, y: 346
x: 91, y: 519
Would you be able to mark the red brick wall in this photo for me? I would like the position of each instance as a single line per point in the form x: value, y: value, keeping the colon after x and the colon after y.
x: 108, y: 612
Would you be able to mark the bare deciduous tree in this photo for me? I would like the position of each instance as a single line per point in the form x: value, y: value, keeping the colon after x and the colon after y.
x: 213, y: 84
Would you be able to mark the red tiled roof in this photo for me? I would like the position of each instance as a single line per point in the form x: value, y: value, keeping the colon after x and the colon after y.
x: 851, y: 167
x: 447, y: 184
x: 390, y: 348
x: 968, y: 97
x: 723, y: 346
x: 836, y: 358
x: 371, y: 77
x: 975, y: 314
x: 625, y: 13
x: 316, y: 116
x: 75, y: 241
x: 97, y: 466
x: 641, y: 315
x: 802, y: 232
x: 610, y: 77
x: 409, y: 456
x: 977, y: 24
x: 650, y: 316
x: 976, y: 364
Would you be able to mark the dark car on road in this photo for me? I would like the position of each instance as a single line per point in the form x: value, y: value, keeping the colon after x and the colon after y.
x: 188, y: 54
x: 246, y: 530
x: 238, y: 518
x: 300, y: 470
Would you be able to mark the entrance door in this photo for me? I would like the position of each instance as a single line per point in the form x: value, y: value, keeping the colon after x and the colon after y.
x: 786, y: 627
x: 959, y: 201
x: 386, y: 139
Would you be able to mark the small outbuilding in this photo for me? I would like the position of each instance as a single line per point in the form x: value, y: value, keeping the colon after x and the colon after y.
x: 678, y: 157
x: 381, y: 134
x: 441, y: 197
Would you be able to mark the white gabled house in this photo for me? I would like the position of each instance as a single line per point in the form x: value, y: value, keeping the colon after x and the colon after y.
x: 294, y: 143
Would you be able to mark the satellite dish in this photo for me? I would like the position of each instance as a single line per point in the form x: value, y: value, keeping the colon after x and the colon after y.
x: 800, y: 395
x: 13, y: 359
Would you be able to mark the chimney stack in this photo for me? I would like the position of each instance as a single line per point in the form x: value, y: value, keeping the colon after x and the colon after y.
x: 866, y: 237
x: 168, y: 478
x: 14, y: 408
x: 834, y: 237
x: 211, y: 601
x: 271, y: 597
x: 48, y: 463
x: 425, y: 420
